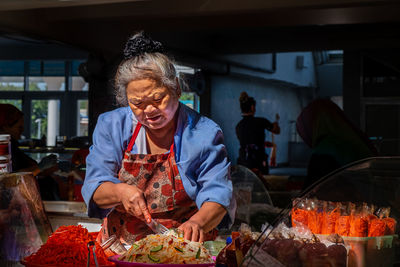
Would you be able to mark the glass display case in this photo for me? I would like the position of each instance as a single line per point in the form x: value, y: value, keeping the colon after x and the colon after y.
x: 24, y: 226
x: 347, y: 218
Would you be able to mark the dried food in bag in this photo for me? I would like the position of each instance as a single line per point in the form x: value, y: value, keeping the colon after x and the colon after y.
x: 390, y: 226
x: 299, y: 213
x: 342, y: 226
x: 332, y: 212
x: 315, y: 215
x: 358, y: 223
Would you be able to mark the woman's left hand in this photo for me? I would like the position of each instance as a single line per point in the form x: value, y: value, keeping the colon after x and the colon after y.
x: 192, y: 231
x: 204, y: 220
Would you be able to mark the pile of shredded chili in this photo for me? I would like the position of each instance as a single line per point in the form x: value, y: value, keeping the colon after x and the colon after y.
x: 68, y: 247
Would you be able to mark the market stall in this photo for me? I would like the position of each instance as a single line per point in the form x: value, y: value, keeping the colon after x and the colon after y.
x: 349, y: 218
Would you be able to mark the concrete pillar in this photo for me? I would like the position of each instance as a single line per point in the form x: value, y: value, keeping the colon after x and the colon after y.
x: 53, y: 110
x: 53, y: 115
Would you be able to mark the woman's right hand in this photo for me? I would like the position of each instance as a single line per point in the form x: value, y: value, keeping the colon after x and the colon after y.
x: 133, y: 201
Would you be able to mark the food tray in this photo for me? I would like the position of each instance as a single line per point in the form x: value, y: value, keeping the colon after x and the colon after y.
x: 368, y: 251
x: 139, y: 264
x: 65, y: 207
x: 371, y: 251
x: 26, y: 264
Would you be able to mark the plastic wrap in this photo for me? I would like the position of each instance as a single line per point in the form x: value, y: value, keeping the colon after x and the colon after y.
x: 23, y: 223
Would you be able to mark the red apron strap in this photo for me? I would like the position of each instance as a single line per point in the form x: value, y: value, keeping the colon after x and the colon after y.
x: 135, y: 134
x: 133, y: 139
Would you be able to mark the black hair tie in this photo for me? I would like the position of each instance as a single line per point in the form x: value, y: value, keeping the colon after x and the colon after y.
x: 140, y: 44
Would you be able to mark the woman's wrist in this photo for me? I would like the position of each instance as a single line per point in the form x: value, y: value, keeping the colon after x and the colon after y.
x: 107, y: 195
x: 118, y: 191
x: 209, y: 216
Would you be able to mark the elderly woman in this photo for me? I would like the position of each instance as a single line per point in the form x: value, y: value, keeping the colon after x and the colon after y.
x: 155, y: 158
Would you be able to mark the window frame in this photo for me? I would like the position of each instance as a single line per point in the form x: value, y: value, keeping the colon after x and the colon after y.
x: 68, y: 101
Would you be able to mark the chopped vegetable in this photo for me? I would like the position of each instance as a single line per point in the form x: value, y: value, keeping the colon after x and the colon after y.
x: 152, y: 258
x: 157, y: 248
x: 167, y: 249
x: 198, y: 253
x: 178, y: 249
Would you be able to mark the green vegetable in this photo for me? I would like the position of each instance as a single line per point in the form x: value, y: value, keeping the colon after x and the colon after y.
x: 179, y: 249
x: 198, y: 254
x: 157, y: 248
x: 135, y: 246
x: 152, y: 258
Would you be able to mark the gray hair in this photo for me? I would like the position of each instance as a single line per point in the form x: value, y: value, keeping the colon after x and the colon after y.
x: 155, y: 66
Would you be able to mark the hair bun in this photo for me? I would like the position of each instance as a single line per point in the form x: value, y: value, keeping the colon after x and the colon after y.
x: 243, y: 97
x: 139, y: 44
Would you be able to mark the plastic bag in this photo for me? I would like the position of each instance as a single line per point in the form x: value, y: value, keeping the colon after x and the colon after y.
x: 23, y: 223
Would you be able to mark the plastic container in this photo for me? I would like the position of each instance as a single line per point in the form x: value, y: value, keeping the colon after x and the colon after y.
x: 5, y: 164
x: 139, y: 264
x: 5, y: 153
x: 214, y: 247
x: 112, y: 246
x: 371, y: 251
x: 5, y: 144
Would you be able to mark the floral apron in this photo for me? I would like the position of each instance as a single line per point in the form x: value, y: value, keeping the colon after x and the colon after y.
x: 158, y: 177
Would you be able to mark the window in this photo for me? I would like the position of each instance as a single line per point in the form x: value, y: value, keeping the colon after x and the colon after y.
x: 45, y: 120
x: 188, y: 97
x: 83, y: 120
x: 328, y: 57
x: 14, y: 102
x: 51, y: 94
x: 46, y: 83
x: 335, y: 56
x: 10, y: 83
x: 12, y: 68
x: 78, y: 83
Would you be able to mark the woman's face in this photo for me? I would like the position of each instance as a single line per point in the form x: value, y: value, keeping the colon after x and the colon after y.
x: 16, y: 129
x: 154, y: 106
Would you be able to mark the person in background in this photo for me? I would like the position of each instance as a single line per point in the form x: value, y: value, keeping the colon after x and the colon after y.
x: 251, y: 134
x: 12, y: 123
x: 334, y: 140
x: 155, y: 158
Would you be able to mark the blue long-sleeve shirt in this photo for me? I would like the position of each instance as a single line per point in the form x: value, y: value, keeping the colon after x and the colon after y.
x: 200, y: 155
